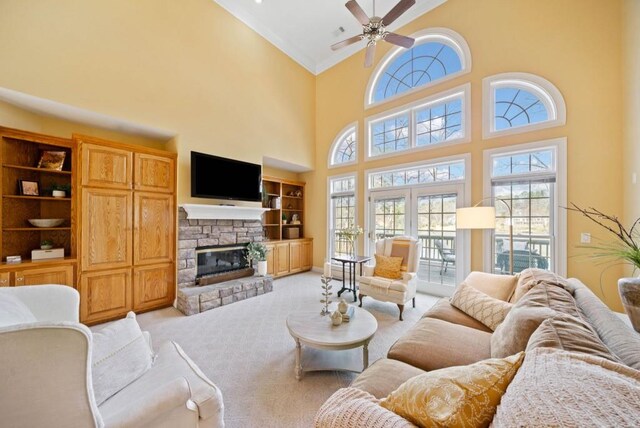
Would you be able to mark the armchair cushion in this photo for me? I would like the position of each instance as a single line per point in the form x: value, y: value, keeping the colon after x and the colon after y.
x: 121, y: 355
x: 388, y: 267
x: 14, y: 311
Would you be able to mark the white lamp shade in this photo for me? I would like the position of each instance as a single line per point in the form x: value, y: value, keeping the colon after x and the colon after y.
x: 476, y: 218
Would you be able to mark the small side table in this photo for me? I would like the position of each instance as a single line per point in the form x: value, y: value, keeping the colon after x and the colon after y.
x: 352, y: 262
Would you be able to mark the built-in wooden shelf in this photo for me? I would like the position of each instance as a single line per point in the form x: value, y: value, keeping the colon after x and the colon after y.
x: 32, y: 229
x: 273, y: 194
x: 292, y: 225
x: 31, y: 263
x: 36, y: 198
x: 291, y: 209
x: 31, y: 168
x: 271, y: 225
x: 292, y: 197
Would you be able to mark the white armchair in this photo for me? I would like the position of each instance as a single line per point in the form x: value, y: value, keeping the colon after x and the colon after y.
x: 398, y: 291
x: 46, y: 380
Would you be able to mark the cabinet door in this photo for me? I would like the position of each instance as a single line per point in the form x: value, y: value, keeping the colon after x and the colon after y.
x: 62, y: 275
x: 282, y: 258
x: 105, y: 295
x: 295, y: 250
x: 306, y: 255
x: 106, y: 229
x: 154, y: 228
x: 4, y: 279
x: 271, y: 260
x: 153, y: 286
x: 153, y: 173
x: 107, y: 167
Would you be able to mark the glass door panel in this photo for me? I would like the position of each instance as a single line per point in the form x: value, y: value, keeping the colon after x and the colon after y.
x: 389, y: 212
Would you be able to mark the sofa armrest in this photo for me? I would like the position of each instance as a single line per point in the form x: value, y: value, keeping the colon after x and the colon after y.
x: 167, y: 405
x: 367, y: 270
x: 52, y: 303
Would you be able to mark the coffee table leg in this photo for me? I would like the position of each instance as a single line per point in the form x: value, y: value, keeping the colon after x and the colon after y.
x: 298, y: 360
x: 365, y: 355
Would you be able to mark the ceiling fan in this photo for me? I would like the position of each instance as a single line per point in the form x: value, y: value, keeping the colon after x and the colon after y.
x: 373, y: 29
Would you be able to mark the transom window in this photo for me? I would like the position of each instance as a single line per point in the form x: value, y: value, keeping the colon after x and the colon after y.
x: 438, y: 54
x: 342, y: 212
x: 520, y: 102
x: 344, y: 150
x: 440, y: 119
x: 453, y: 171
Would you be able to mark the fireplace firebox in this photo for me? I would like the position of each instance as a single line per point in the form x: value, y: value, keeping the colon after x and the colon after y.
x: 221, y: 263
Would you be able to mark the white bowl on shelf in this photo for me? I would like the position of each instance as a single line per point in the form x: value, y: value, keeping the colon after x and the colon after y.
x: 46, y: 222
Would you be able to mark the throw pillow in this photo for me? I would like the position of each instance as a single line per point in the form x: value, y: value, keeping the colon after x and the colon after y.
x: 388, y: 267
x: 513, y: 334
x: 550, y: 296
x: 569, y: 334
x: 401, y: 248
x: 529, y: 278
x: 121, y: 355
x: 496, y: 286
x: 14, y: 311
x: 455, y: 396
x: 489, y: 311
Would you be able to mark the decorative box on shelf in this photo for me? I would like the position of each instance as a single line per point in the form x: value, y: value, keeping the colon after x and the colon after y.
x: 54, y: 253
x: 291, y: 233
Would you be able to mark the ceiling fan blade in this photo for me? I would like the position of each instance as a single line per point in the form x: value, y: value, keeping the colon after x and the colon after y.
x: 357, y: 11
x: 347, y: 42
x: 369, y: 55
x: 399, y: 9
x: 397, y: 39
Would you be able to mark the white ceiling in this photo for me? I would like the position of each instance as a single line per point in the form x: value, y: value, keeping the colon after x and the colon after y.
x: 305, y: 29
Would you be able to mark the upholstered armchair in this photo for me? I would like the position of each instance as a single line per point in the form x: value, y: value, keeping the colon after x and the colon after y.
x: 46, y: 372
x: 398, y: 291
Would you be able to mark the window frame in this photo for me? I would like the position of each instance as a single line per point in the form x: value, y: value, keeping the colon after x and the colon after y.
x: 559, y: 215
x: 330, y: 220
x: 463, y: 92
x: 435, y: 34
x: 546, y: 91
x: 352, y: 127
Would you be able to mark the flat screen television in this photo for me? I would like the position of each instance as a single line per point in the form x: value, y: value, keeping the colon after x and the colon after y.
x: 221, y: 178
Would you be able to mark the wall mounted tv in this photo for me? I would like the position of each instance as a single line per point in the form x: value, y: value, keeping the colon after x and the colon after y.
x: 221, y: 178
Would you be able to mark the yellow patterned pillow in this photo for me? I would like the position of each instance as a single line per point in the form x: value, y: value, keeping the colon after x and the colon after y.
x: 461, y: 396
x: 388, y: 267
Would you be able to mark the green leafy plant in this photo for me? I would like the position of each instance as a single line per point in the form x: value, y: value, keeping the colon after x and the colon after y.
x: 65, y: 187
x: 257, y: 252
x: 46, y: 242
x: 625, y: 248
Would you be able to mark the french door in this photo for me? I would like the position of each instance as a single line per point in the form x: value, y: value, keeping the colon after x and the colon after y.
x: 427, y: 213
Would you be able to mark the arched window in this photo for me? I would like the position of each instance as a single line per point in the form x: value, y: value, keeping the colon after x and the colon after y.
x: 344, y: 150
x: 520, y: 102
x: 437, y: 55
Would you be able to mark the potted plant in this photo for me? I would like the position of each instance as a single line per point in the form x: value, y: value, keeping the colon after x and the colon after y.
x: 46, y: 244
x: 257, y: 252
x: 60, y: 190
x: 284, y: 219
x: 625, y: 249
x: 350, y: 234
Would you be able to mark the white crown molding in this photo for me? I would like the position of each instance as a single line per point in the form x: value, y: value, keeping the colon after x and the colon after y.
x: 223, y: 212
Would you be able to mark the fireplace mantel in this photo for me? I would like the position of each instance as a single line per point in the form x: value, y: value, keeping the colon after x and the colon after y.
x: 223, y: 212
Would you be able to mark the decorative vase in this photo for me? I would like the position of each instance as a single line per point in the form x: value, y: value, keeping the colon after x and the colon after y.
x: 629, y: 289
x: 336, y: 318
x: 262, y: 267
x: 343, y: 306
x: 46, y: 247
x: 59, y: 194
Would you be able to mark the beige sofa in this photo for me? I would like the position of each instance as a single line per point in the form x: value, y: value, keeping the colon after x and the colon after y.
x: 445, y: 336
x: 46, y: 381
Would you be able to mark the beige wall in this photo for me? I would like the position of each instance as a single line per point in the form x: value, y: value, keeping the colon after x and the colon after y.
x: 574, y: 44
x: 187, y: 66
x: 631, y: 97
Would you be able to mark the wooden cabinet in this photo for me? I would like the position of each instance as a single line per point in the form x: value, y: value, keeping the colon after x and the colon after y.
x: 104, y: 166
x: 62, y: 275
x: 306, y: 255
x: 106, y: 229
x: 153, y: 286
x: 105, y: 295
x: 271, y: 259
x: 4, y: 279
x: 282, y: 259
x: 154, y: 212
x: 154, y: 173
x: 295, y: 249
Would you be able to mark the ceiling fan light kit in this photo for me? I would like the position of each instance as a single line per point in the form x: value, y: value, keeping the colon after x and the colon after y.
x: 373, y: 29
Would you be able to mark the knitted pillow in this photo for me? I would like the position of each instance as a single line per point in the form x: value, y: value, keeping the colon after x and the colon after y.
x: 489, y: 311
x: 388, y: 267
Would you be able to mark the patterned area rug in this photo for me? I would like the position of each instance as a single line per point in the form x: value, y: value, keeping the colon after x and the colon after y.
x: 246, y: 350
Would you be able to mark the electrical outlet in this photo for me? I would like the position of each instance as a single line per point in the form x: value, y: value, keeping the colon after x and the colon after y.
x: 585, y: 238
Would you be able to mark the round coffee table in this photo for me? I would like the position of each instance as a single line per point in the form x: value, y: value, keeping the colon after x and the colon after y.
x: 318, y: 334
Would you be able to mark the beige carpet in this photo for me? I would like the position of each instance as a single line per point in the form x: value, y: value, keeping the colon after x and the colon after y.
x: 246, y: 350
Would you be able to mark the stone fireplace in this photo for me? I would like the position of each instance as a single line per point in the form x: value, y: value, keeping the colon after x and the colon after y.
x: 219, y: 263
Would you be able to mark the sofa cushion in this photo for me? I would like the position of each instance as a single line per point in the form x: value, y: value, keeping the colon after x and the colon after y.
x: 120, y: 356
x: 550, y: 296
x: 562, y: 389
x: 384, y: 376
x: 455, y: 396
x: 14, y: 311
x: 434, y: 344
x: 473, y: 302
x: 569, y: 334
x: 388, y: 267
x: 529, y: 278
x: 497, y: 286
x: 443, y: 310
x: 352, y: 407
x: 513, y: 334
